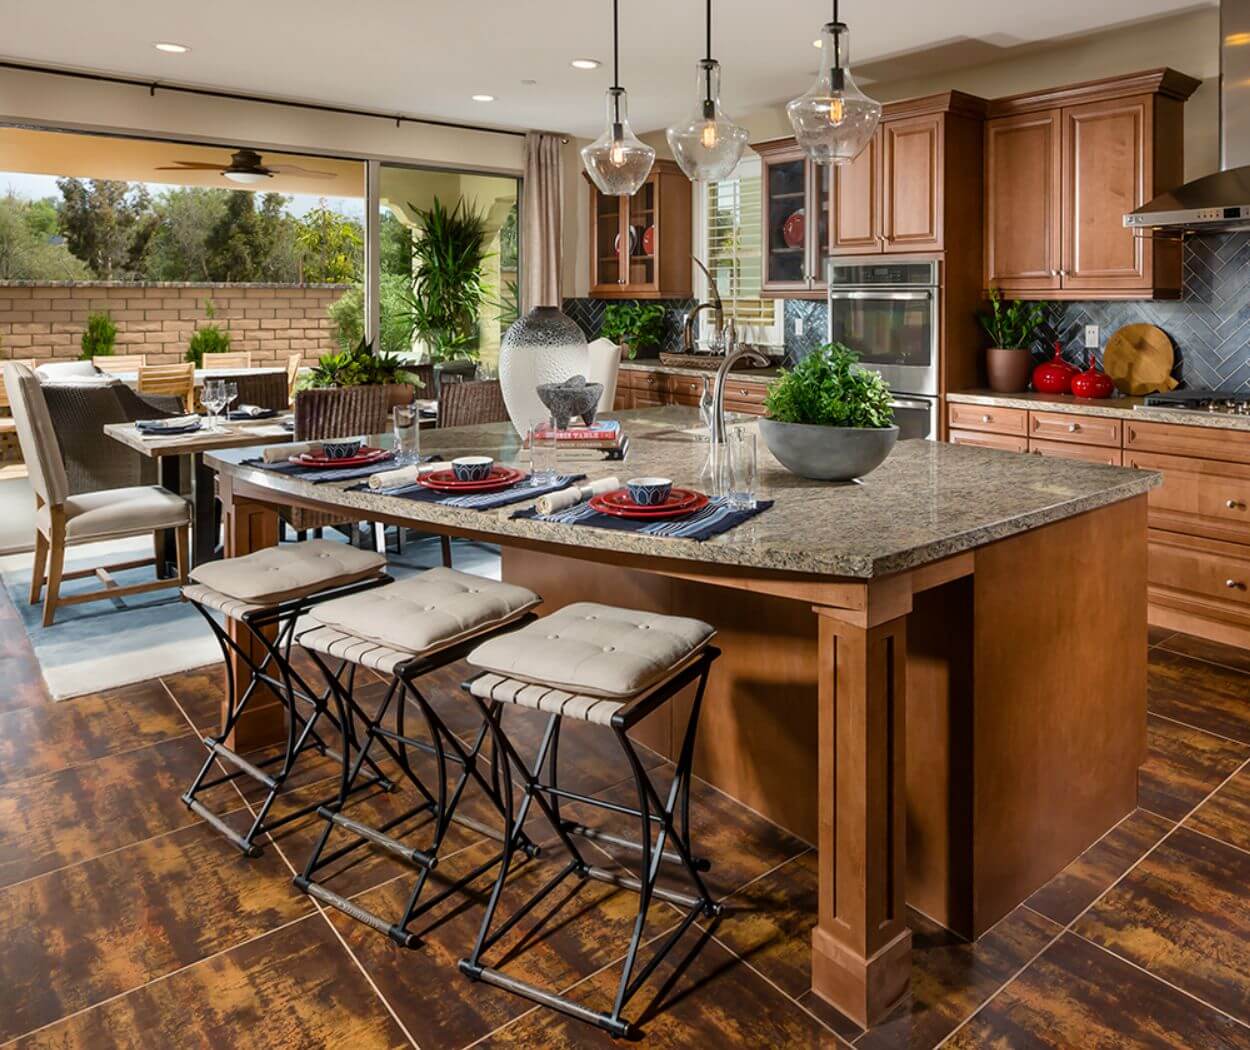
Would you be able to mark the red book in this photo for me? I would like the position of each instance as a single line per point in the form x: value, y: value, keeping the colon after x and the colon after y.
x: 607, y: 430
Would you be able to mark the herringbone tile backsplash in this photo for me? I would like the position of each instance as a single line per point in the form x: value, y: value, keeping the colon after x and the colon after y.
x: 1209, y: 326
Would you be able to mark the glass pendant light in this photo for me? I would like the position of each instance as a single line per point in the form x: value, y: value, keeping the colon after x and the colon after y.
x: 834, y: 120
x: 709, y: 145
x: 617, y: 161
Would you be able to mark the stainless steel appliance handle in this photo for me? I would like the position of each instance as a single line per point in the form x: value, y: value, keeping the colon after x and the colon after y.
x: 907, y: 402
x: 894, y: 296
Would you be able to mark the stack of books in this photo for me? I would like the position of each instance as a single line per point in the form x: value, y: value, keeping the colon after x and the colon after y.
x: 603, y: 440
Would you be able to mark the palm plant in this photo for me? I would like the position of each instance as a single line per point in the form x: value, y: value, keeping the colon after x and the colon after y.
x: 449, y: 286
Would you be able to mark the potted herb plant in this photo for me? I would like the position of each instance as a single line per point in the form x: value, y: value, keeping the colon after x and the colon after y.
x: 1009, y: 361
x: 827, y: 419
x: 636, y: 326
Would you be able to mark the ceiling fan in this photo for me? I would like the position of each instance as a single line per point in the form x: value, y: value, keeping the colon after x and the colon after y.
x: 245, y: 166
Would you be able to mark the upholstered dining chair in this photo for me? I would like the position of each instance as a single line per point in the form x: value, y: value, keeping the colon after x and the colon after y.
x: 63, y: 520
x: 7, y: 425
x: 177, y: 380
x: 293, y: 363
x: 114, y: 363
x: 230, y: 360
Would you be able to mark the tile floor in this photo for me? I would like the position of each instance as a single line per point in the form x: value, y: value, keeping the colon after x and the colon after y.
x: 128, y: 922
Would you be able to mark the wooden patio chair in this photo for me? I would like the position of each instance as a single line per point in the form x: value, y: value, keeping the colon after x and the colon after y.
x: 63, y: 520
x: 114, y: 363
x: 175, y: 380
x: 228, y: 361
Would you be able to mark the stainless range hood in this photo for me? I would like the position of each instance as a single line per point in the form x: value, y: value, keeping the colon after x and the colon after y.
x: 1218, y: 203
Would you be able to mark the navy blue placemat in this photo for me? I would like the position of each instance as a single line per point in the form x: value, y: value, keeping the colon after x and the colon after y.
x: 712, y: 520
x: 318, y: 475
x: 517, y: 493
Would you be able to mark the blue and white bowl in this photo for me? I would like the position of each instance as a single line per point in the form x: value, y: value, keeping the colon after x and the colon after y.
x: 341, y: 449
x: 649, y: 492
x: 472, y: 468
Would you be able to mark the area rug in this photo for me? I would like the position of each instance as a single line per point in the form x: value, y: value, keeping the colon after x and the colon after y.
x: 105, y: 644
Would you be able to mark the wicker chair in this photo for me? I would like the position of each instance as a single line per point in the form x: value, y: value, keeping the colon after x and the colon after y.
x: 338, y: 412
x: 470, y: 404
x: 263, y: 389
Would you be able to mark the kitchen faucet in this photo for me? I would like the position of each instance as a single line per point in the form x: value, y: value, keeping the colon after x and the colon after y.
x: 733, y: 354
x: 687, y: 324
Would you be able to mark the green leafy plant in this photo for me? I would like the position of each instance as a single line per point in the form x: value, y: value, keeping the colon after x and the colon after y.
x: 99, y: 336
x: 635, y: 325
x: 449, y: 284
x: 826, y: 389
x: 207, y: 339
x: 1011, y: 326
x: 359, y: 366
x: 348, y: 316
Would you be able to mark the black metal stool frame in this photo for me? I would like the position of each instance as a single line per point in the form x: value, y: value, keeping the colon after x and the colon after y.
x: 291, y: 688
x: 441, y: 804
x: 651, y: 810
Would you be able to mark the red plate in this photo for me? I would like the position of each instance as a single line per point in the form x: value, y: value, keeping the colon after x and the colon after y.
x: 364, y: 456
x: 792, y: 230
x: 445, y: 480
x: 680, y: 502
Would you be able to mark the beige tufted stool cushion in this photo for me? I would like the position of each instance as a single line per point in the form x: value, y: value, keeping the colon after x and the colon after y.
x: 277, y: 574
x: 595, y: 650
x: 416, y: 616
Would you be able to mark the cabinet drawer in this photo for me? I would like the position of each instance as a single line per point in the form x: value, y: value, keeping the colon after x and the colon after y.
x: 1206, y: 569
x: 1066, y: 426
x: 1199, y: 441
x: 749, y: 408
x: 748, y: 391
x: 989, y: 418
x: 1006, y: 442
x: 1070, y: 450
x: 685, y: 390
x: 1201, y: 497
x: 636, y: 380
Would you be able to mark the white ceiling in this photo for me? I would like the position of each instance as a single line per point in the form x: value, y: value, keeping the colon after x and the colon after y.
x: 426, y: 57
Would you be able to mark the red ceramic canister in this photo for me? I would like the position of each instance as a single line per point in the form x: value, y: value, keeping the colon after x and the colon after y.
x: 1093, y: 382
x: 1054, y: 376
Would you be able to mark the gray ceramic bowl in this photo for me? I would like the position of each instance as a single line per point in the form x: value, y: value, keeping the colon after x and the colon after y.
x: 472, y: 468
x: 341, y: 449
x: 649, y: 492
x: 574, y: 397
x: 828, y: 453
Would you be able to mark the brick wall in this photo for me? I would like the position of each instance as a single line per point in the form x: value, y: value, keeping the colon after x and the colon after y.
x: 46, y: 320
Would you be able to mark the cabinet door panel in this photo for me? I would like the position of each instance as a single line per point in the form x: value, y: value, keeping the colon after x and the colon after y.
x: 1022, y: 190
x: 911, y: 155
x: 607, y: 223
x: 857, y: 203
x: 786, y: 200
x: 1105, y: 146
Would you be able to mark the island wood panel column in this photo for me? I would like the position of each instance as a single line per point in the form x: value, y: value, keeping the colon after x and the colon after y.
x: 861, y: 946
x: 250, y: 526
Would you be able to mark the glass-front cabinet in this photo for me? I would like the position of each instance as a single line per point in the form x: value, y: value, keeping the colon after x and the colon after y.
x: 640, y: 245
x: 796, y: 221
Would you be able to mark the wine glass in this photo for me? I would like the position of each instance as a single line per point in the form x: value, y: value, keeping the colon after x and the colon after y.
x: 213, y: 397
x: 230, y: 393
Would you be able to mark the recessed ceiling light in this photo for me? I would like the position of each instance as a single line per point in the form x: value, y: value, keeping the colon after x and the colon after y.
x: 171, y: 48
x: 585, y: 63
x: 483, y: 98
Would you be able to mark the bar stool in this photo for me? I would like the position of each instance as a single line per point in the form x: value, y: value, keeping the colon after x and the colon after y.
x: 609, y: 667
x: 267, y: 591
x: 406, y: 631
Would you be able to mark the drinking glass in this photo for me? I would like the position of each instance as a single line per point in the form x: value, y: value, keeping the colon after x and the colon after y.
x: 407, y: 426
x: 213, y: 398
x: 230, y: 390
x: 741, y: 467
x: 544, y: 452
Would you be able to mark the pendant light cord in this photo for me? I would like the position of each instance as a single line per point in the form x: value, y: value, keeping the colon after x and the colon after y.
x: 616, y: 62
x: 835, y: 12
x: 709, y: 30
x: 707, y: 73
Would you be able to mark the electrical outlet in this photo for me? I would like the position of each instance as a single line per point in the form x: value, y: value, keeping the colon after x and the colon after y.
x: 798, y: 326
x: 1091, y: 337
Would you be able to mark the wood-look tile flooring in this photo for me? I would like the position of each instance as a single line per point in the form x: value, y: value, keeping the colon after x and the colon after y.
x: 126, y: 922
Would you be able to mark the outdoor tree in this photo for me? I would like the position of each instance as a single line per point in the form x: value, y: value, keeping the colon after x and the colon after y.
x: 107, y: 224
x: 331, y: 246
x: 250, y: 244
x: 29, y: 249
x: 396, y: 245
x: 179, y: 250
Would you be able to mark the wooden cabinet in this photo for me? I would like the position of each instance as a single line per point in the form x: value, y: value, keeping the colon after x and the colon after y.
x: 640, y: 245
x: 987, y: 418
x: 1068, y: 450
x: 647, y: 388
x: 911, y: 184
x: 1074, y: 428
x: 856, y: 220
x: 1062, y: 167
x: 795, y: 211
x: 986, y: 439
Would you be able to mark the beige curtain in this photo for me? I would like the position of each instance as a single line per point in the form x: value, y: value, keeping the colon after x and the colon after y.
x: 543, y: 197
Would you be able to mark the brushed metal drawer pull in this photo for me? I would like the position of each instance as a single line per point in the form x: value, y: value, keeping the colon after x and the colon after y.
x: 1234, y: 585
x: 1073, y: 427
x: 1235, y: 504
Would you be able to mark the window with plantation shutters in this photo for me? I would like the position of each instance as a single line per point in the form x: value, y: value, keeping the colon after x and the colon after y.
x: 732, y: 240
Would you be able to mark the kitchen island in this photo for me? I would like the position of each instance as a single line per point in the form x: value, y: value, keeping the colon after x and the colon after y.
x: 936, y: 675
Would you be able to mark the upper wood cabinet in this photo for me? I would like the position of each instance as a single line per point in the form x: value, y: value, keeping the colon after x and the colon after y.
x: 1062, y: 167
x: 796, y: 221
x: 640, y: 245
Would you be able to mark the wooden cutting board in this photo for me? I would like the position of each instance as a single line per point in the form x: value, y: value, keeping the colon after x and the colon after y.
x: 1139, y: 360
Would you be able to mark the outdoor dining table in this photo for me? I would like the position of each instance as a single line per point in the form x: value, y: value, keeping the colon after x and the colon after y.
x: 169, y: 449
x: 204, y: 375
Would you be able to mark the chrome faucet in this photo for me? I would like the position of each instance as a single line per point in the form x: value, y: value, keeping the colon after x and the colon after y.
x: 687, y: 325
x: 733, y: 354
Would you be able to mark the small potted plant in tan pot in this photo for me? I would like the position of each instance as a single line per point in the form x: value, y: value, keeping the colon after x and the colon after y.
x: 1011, y: 327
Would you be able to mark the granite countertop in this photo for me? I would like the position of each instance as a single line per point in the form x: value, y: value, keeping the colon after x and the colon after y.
x: 761, y: 375
x: 929, y: 500
x: 1115, y: 407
